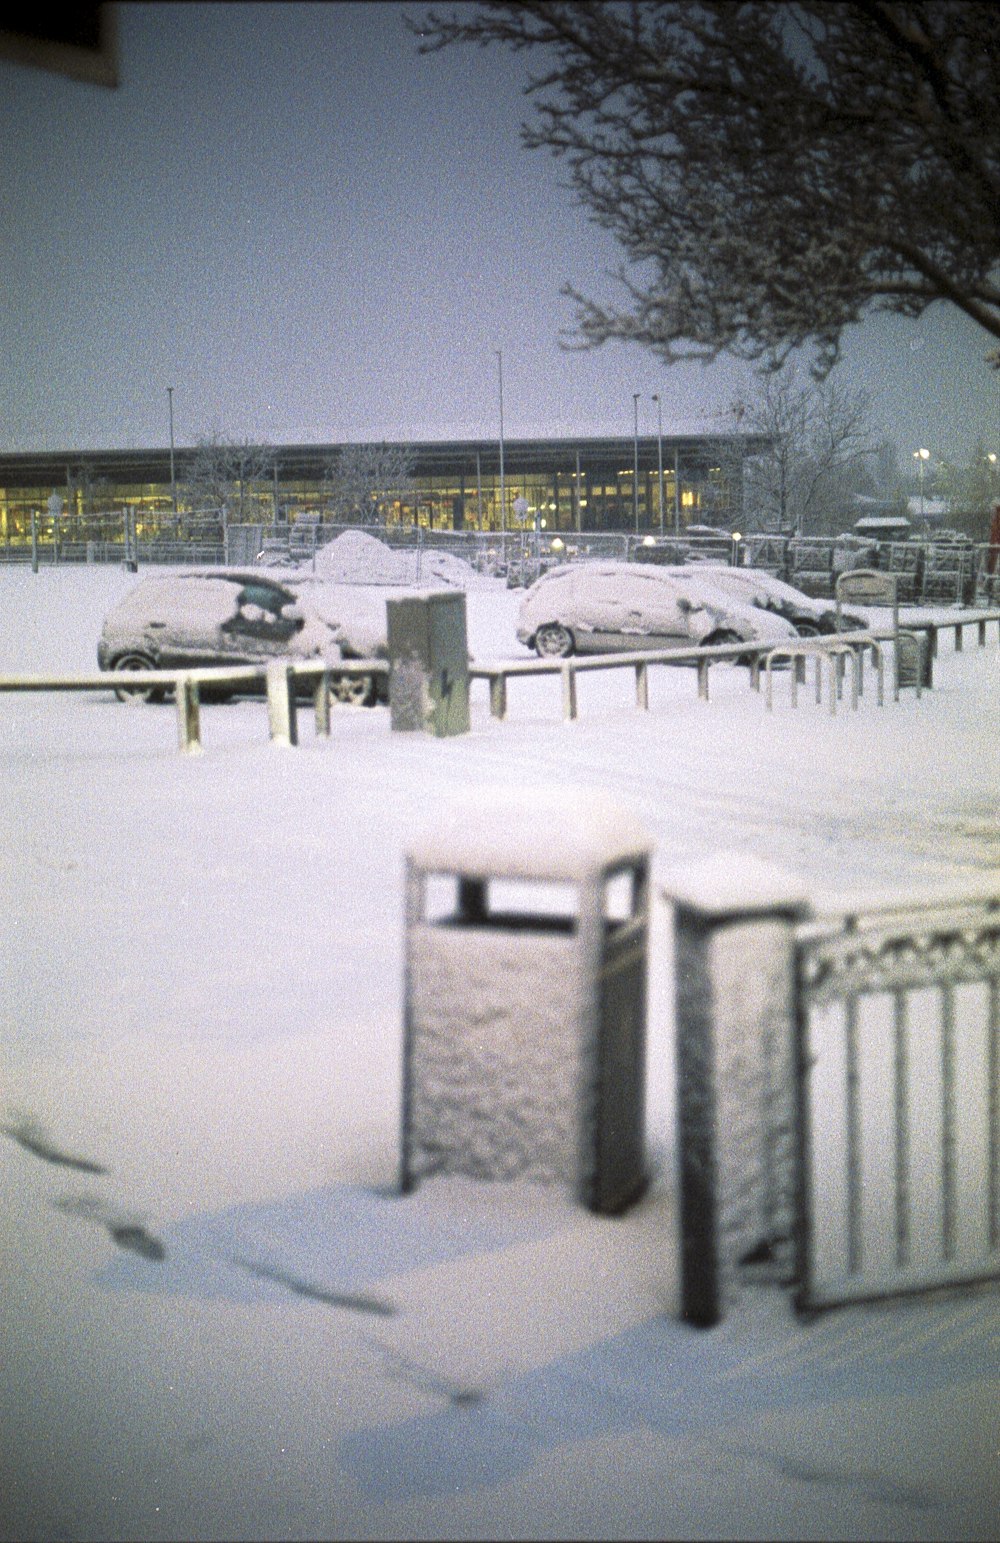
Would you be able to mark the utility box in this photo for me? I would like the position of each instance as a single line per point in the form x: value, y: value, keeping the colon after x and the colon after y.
x: 525, y: 995
x: 428, y: 663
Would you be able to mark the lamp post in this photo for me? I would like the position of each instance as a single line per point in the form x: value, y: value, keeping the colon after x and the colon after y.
x: 635, y: 459
x: 173, y: 479
x: 503, y: 503
x: 921, y: 457
x: 659, y: 450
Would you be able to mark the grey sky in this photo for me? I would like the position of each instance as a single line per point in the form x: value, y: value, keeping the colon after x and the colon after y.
x: 314, y: 234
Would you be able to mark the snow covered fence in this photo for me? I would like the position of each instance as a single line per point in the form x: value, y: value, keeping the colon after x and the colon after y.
x: 838, y: 1099
x: 276, y: 682
x: 640, y: 661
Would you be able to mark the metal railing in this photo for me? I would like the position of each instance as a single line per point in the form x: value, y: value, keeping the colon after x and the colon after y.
x: 838, y: 1085
x: 858, y: 643
x: 187, y: 684
x: 928, y: 572
x: 277, y: 682
x: 898, y: 1055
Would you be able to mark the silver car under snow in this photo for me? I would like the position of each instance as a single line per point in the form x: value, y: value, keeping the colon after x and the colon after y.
x: 612, y: 607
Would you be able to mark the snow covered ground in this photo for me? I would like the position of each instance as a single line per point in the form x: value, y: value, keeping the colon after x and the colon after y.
x: 237, y: 1328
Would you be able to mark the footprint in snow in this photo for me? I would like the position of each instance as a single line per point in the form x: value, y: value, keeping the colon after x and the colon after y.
x: 124, y: 1230
x: 30, y: 1135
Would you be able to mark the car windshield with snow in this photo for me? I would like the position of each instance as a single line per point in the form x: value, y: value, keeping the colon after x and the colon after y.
x: 609, y: 607
x: 809, y: 617
x: 194, y: 620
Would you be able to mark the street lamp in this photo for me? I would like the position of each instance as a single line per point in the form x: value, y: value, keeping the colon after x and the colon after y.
x: 173, y: 479
x: 635, y: 459
x: 659, y: 450
x: 503, y: 506
x: 921, y: 457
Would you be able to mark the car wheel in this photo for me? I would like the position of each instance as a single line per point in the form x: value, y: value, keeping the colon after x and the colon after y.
x: 723, y: 635
x: 137, y: 661
x: 355, y: 690
x: 807, y: 629
x: 553, y: 641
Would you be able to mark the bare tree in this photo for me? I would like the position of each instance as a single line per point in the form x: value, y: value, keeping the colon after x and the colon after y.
x: 230, y: 474
x: 362, y: 482
x: 813, y: 435
x: 773, y: 170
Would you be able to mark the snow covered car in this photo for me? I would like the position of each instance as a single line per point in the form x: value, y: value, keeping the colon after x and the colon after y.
x: 809, y: 617
x: 609, y: 607
x: 190, y: 620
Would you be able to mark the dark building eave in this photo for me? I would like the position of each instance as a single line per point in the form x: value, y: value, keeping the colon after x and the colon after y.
x: 444, y: 458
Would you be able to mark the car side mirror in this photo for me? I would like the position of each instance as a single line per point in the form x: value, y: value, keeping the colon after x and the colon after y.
x: 684, y: 605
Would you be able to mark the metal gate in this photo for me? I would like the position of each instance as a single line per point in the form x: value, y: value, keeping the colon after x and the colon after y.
x: 898, y: 1024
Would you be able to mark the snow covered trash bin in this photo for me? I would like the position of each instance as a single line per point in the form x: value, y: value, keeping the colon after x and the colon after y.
x: 525, y: 996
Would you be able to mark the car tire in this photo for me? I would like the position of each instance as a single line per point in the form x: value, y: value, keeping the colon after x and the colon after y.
x: 807, y: 629
x: 354, y: 690
x: 720, y: 636
x: 135, y: 660
x: 554, y: 641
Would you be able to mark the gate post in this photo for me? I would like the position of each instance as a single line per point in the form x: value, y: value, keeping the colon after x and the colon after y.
x: 735, y: 1004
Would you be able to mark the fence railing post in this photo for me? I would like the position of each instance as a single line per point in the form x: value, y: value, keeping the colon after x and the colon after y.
x: 498, y: 695
x: 321, y: 702
x: 568, y: 690
x: 281, y: 718
x: 188, y: 715
x: 735, y: 1026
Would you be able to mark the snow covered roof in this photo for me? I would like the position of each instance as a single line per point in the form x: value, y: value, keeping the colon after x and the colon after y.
x: 882, y: 522
x: 530, y: 833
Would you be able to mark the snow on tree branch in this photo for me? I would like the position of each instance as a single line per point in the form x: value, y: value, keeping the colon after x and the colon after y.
x: 771, y: 171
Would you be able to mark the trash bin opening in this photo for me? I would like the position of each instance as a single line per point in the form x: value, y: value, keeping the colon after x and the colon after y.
x: 541, y: 905
x: 624, y: 894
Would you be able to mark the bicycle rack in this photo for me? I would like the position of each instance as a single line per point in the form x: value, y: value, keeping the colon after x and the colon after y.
x: 835, y: 653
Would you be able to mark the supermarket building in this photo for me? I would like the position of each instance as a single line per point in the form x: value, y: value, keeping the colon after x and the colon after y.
x: 561, y: 484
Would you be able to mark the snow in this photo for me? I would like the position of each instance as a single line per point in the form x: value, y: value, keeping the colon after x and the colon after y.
x: 357, y: 557
x: 240, y: 1328
x: 529, y: 833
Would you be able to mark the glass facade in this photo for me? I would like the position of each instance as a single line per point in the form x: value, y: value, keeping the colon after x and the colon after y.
x: 560, y: 485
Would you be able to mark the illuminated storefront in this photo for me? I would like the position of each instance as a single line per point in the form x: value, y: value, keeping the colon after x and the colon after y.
x: 547, y: 484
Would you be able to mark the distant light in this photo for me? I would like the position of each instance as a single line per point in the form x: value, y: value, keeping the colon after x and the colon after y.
x: 923, y: 455
x: 649, y: 540
x: 557, y: 544
x: 737, y: 535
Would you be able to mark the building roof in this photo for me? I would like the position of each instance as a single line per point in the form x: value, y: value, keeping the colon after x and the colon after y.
x: 53, y: 468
